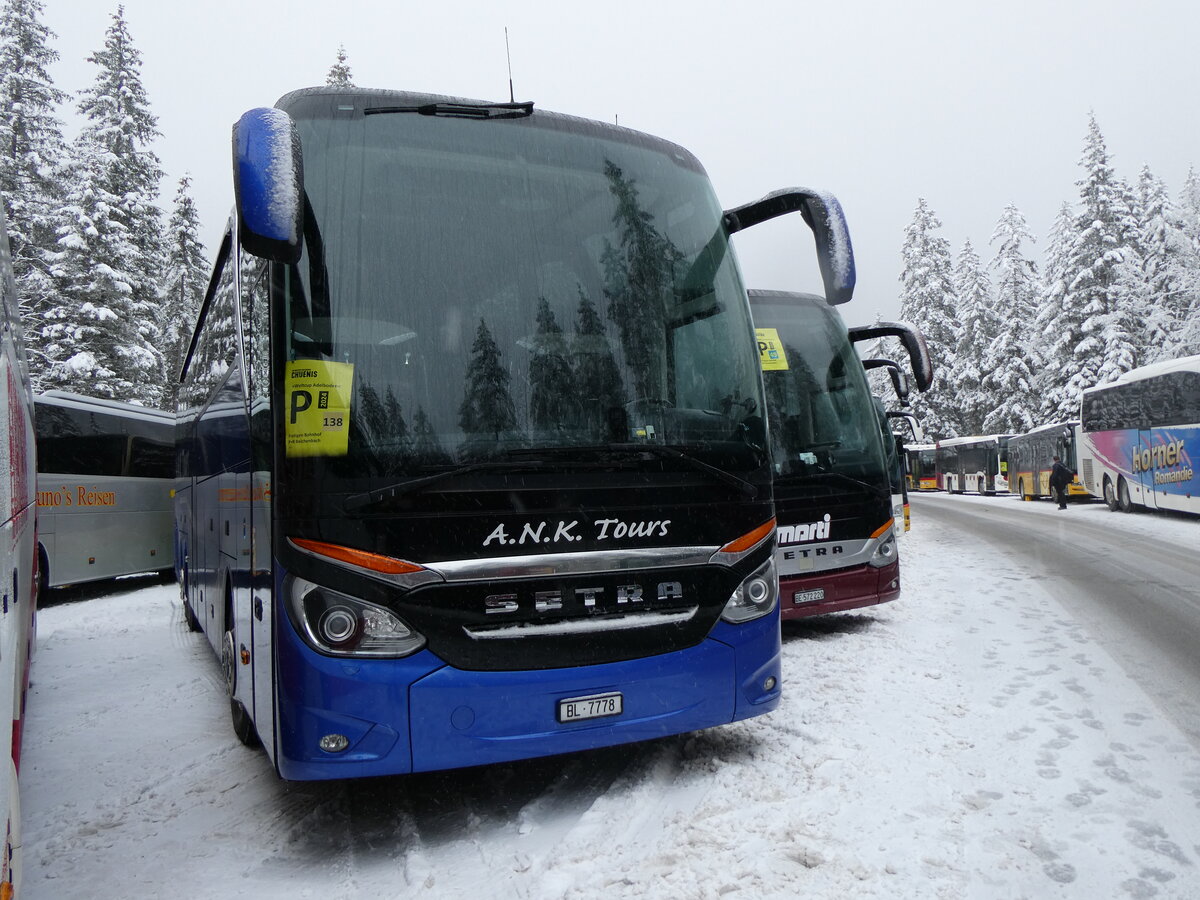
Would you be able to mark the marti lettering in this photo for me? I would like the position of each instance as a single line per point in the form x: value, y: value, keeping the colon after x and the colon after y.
x: 798, y: 534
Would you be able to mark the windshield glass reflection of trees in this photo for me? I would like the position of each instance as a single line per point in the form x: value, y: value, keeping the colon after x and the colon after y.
x: 503, y: 288
x: 822, y: 419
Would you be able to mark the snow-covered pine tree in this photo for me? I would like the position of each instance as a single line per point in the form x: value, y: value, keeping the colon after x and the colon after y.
x: 1186, y: 266
x: 339, y: 73
x: 1163, y: 304
x: 487, y: 408
x: 1010, y: 363
x: 977, y: 327
x: 1104, y: 269
x: 185, y: 277
x: 927, y: 301
x: 102, y: 335
x: 427, y: 448
x: 32, y: 155
x: 639, y: 277
x: 1059, y: 322
x: 596, y: 376
x: 552, y: 390
x: 1188, y: 207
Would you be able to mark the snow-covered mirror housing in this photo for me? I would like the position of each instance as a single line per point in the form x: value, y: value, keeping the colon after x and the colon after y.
x: 268, y: 184
x: 823, y: 214
x: 912, y: 339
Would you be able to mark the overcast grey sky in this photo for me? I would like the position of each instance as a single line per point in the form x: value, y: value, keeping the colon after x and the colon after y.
x: 969, y: 105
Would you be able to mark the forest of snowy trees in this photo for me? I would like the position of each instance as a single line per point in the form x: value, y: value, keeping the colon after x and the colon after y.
x: 105, y: 282
x: 108, y: 281
x: 1013, y: 345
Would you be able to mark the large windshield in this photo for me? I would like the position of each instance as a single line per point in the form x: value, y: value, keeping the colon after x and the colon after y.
x: 503, y: 286
x: 822, y: 417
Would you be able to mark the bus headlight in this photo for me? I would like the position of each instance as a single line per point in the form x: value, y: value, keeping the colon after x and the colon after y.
x: 886, y: 553
x: 754, y: 597
x: 341, y: 625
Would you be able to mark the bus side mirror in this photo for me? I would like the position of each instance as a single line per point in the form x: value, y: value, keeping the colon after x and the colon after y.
x: 913, y: 341
x: 899, y: 379
x: 913, y: 425
x: 268, y: 184
x: 823, y: 214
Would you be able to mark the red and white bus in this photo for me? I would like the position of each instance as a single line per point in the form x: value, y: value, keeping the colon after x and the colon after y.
x: 976, y: 463
x: 834, y: 477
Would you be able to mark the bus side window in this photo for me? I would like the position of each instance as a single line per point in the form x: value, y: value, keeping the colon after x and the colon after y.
x: 256, y: 325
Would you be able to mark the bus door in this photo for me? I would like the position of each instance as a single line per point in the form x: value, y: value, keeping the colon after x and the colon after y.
x: 256, y: 323
x: 1165, y: 465
x: 1141, y: 486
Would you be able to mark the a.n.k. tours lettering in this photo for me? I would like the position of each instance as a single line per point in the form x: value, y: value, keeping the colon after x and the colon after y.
x: 565, y: 532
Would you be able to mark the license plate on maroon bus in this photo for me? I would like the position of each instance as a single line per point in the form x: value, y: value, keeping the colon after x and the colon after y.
x: 808, y: 596
x: 594, y: 706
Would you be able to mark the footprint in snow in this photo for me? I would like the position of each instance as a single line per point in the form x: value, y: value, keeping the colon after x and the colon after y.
x: 1063, y: 873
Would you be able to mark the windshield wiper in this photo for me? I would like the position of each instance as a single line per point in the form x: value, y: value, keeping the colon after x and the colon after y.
x: 659, y: 450
x: 535, y: 459
x: 391, y: 491
x: 459, y: 110
x: 857, y: 482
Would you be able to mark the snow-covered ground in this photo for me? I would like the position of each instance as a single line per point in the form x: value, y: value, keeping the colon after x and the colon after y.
x: 968, y: 741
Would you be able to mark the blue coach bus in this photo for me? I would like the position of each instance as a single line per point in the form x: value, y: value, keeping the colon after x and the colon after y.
x: 472, y: 460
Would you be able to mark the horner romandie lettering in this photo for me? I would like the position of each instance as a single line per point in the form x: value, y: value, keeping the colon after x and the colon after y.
x: 1171, y: 453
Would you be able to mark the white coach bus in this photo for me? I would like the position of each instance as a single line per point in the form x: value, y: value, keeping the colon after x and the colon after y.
x: 1140, y: 436
x: 105, y: 474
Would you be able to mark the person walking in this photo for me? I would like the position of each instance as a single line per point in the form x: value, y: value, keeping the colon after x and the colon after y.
x: 1060, y: 477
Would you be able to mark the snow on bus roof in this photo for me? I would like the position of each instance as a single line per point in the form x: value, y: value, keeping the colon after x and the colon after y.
x: 1182, y: 364
x: 972, y: 439
x: 1065, y: 423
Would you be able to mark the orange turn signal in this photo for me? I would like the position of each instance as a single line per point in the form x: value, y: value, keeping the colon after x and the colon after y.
x: 749, y: 539
x: 882, y: 528
x: 388, y: 565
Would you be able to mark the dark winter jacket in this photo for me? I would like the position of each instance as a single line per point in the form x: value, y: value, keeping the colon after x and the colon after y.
x: 1060, y: 475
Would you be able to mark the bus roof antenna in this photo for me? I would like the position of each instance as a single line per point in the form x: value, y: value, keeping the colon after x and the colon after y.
x: 508, y: 53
